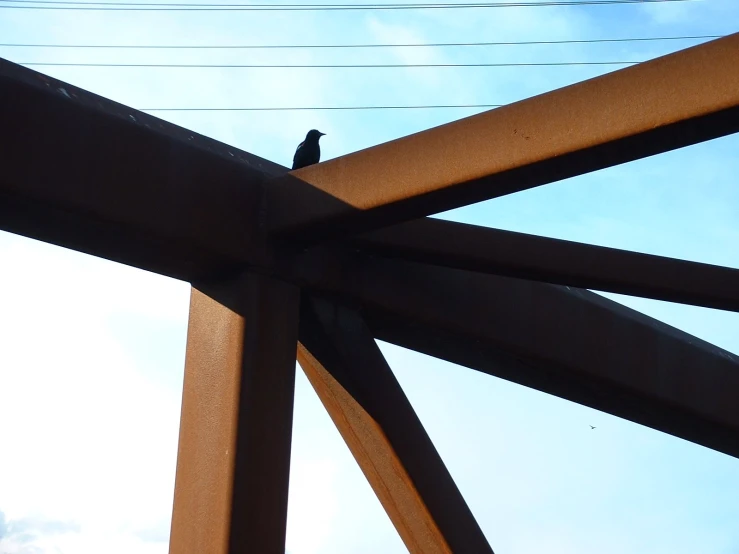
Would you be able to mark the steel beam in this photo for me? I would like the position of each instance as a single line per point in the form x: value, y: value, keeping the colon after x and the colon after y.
x: 378, y: 423
x: 660, y: 105
x: 233, y: 461
x: 486, y: 250
x: 86, y: 173
x: 564, y: 341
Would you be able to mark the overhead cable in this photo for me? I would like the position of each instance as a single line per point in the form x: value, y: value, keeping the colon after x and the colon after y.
x: 319, y: 66
x: 399, y: 45
x: 300, y: 108
x: 148, y: 6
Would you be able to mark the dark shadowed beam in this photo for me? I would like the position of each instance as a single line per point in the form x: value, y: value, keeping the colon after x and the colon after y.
x: 351, y: 377
x: 562, y: 262
x: 660, y: 105
x: 233, y: 457
x: 567, y: 342
x: 86, y: 173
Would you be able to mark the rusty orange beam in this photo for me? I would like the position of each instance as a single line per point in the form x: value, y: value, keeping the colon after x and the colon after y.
x: 482, y: 249
x: 378, y: 461
x: 351, y: 377
x: 660, y: 105
x: 233, y: 460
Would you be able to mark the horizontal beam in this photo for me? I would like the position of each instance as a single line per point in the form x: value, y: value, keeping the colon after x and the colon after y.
x: 660, y: 105
x: 364, y: 399
x: 486, y: 250
x: 568, y: 342
x: 89, y: 174
x: 233, y: 460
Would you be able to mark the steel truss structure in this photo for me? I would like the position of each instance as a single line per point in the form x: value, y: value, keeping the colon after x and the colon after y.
x: 327, y: 258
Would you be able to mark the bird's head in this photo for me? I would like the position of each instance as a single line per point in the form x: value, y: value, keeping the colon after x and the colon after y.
x: 314, y: 135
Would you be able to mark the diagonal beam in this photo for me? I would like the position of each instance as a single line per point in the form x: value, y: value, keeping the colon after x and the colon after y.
x: 378, y: 423
x: 567, y: 342
x: 233, y: 459
x: 660, y: 105
x: 86, y: 173
x: 486, y: 250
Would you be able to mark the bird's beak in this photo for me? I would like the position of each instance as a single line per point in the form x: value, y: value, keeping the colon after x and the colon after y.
x: 322, y: 134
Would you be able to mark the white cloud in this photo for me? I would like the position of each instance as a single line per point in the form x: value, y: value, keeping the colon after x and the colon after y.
x: 670, y: 13
x: 313, y: 505
x: 27, y: 536
x: 88, y: 426
x: 91, y: 362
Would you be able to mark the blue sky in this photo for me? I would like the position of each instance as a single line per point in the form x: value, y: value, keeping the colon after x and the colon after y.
x: 93, y: 352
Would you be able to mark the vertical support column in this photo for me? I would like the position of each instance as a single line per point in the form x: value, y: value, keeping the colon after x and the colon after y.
x: 233, y: 459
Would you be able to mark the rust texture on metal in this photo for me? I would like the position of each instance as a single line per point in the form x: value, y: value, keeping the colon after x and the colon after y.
x: 660, y: 105
x: 346, y: 368
x: 90, y: 174
x: 235, y: 431
x: 565, y: 341
x: 86, y: 173
x: 486, y: 250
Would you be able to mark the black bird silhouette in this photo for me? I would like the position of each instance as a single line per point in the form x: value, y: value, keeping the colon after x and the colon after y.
x: 592, y: 427
x: 308, y: 151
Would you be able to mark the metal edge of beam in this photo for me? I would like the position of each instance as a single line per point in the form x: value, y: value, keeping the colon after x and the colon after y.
x: 461, y: 349
x: 564, y: 341
x: 486, y: 250
x: 383, y: 432
x: 666, y: 103
x: 233, y: 459
x: 90, y: 174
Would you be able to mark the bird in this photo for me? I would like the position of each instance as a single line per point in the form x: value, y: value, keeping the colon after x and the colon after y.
x: 308, y: 151
x: 592, y: 427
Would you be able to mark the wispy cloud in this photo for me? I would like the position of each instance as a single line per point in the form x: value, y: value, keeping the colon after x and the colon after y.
x: 93, y: 352
x: 31, y: 535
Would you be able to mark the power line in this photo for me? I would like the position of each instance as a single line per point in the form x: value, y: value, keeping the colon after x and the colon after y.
x: 298, y: 46
x: 318, y: 66
x: 132, y: 6
x: 430, y: 106
x: 371, y: 5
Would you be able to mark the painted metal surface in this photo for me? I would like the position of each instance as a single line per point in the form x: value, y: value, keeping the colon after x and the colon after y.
x: 486, y: 250
x: 86, y: 173
x: 90, y: 174
x: 236, y: 426
x: 565, y: 341
x: 346, y: 368
x: 666, y: 103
